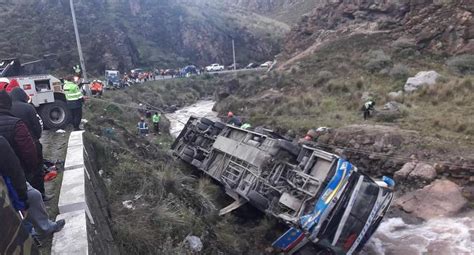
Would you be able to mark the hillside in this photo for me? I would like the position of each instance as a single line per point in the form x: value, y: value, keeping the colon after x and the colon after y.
x: 344, y: 53
x: 287, y: 11
x: 130, y: 33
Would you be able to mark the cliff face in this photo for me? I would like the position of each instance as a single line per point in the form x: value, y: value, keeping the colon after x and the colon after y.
x: 438, y: 26
x: 130, y: 33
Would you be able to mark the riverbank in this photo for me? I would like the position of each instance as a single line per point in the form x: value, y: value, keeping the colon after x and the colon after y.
x: 144, y: 180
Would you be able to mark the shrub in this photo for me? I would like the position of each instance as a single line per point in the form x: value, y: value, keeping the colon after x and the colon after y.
x: 399, y: 72
x: 377, y: 60
x: 403, y: 43
x: 463, y: 64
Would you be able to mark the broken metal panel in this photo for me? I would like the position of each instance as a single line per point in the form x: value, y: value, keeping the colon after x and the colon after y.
x: 240, y: 150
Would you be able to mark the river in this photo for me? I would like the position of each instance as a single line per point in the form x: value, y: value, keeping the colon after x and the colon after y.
x: 442, y: 236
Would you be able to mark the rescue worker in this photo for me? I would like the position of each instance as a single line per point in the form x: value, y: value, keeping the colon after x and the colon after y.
x: 156, y: 122
x: 97, y: 88
x: 74, y: 101
x: 142, y: 127
x: 368, y: 108
x: 233, y: 120
x: 77, y: 70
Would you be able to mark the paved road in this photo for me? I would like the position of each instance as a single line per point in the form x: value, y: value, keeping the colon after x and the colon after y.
x: 159, y: 77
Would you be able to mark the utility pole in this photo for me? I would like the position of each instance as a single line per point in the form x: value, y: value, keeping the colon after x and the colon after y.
x: 233, y: 53
x: 78, y: 41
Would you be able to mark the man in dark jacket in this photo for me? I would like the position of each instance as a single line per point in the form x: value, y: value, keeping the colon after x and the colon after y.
x: 27, y: 113
x: 16, y: 132
x: 13, y: 174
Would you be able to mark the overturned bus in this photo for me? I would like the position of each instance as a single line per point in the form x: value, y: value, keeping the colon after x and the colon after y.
x: 331, y: 208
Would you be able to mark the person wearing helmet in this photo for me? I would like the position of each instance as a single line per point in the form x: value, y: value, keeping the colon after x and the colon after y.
x: 233, y: 120
x: 368, y: 109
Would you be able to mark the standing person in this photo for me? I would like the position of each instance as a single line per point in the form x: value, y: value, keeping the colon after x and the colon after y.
x: 156, y: 122
x: 74, y: 101
x: 27, y: 113
x: 25, y: 198
x: 142, y: 127
x: 16, y: 132
x: 368, y: 107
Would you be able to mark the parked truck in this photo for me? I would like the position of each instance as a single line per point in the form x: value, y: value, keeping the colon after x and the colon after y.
x: 330, y: 206
x: 46, y: 92
x: 112, y: 79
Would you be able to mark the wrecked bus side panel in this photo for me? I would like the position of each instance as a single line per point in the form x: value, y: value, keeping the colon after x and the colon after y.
x: 311, y: 190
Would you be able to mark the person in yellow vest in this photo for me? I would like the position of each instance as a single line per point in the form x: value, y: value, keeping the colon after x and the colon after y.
x: 156, y: 122
x: 74, y: 101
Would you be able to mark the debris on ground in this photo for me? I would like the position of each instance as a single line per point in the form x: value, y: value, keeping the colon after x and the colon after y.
x: 194, y: 243
x: 60, y: 131
x: 128, y: 204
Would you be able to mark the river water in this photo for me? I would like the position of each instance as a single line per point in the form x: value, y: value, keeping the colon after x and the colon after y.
x: 179, y: 118
x: 442, y: 236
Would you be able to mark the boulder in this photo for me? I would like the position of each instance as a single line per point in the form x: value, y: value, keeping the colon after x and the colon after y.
x: 439, y: 199
x: 392, y: 106
x: 421, y: 79
x: 395, y: 95
x: 403, y: 173
x: 418, y: 172
x: 423, y: 172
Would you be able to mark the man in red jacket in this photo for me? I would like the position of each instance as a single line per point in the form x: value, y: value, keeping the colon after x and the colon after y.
x: 17, y: 134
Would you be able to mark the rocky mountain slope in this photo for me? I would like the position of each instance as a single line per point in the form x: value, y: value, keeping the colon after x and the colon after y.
x: 442, y: 27
x: 130, y: 33
x: 288, y: 11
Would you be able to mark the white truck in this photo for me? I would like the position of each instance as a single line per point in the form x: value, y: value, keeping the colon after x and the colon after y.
x: 46, y: 93
x: 214, y: 68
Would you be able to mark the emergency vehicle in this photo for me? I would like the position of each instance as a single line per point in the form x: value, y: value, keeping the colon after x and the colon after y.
x: 46, y: 93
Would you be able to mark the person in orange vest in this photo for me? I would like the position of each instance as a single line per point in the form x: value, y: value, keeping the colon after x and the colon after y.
x: 97, y: 88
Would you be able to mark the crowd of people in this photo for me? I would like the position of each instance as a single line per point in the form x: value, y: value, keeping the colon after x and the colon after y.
x: 22, y: 162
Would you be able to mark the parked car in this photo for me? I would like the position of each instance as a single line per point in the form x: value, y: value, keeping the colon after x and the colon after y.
x: 267, y: 64
x: 214, y: 68
x: 189, y: 70
x: 251, y: 66
x: 231, y: 67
